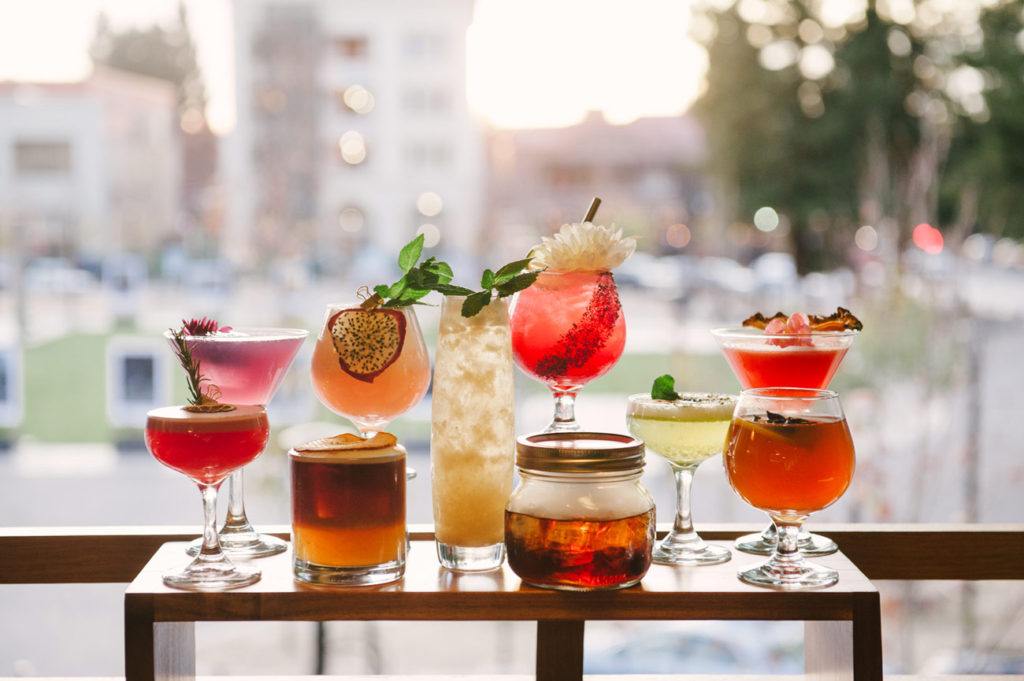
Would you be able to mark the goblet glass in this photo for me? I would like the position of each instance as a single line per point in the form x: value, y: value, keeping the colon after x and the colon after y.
x: 789, y: 453
x: 568, y: 329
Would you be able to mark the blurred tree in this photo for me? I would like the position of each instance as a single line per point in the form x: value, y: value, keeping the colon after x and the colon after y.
x: 842, y: 119
x: 164, y: 53
x: 170, y: 54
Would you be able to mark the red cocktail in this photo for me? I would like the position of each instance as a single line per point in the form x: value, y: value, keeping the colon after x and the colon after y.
x: 568, y: 329
x: 207, y: 443
x: 206, y: 447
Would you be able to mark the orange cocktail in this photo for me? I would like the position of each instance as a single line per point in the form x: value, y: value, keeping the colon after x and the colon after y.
x: 370, y: 366
x: 789, y: 468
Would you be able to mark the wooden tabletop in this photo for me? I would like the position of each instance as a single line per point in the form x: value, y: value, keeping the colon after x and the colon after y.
x: 429, y: 592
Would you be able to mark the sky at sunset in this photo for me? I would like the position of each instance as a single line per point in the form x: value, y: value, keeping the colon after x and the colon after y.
x: 531, y: 63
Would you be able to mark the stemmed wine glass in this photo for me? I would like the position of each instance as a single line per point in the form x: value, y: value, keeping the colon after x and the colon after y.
x: 789, y: 453
x: 802, y: 360
x: 207, y: 447
x: 568, y: 329
x: 370, y: 365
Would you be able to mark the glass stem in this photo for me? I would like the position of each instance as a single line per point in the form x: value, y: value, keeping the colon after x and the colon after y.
x: 770, y: 535
x: 236, y: 520
x: 787, y: 554
x: 565, y: 412
x: 211, y: 541
x: 682, y: 527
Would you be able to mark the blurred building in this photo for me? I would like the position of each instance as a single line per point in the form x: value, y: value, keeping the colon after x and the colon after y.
x: 89, y: 167
x: 352, y: 128
x: 646, y: 172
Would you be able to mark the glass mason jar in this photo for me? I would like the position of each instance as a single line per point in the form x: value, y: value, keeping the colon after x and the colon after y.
x: 580, y: 519
x: 472, y: 435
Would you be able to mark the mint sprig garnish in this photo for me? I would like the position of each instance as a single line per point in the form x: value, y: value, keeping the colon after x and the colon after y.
x: 417, y: 280
x: 506, y: 281
x: 664, y: 388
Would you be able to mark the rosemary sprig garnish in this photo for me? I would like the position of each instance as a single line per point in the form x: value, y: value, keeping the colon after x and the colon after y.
x: 191, y: 367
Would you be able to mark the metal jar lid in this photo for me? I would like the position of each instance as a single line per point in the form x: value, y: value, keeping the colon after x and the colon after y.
x: 579, y: 452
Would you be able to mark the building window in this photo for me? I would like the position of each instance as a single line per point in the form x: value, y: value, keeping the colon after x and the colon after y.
x: 425, y: 45
x: 139, y: 373
x: 352, y: 46
x: 427, y: 100
x: 42, y: 157
x: 428, y: 154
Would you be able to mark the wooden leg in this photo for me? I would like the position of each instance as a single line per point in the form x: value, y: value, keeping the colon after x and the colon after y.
x: 847, y: 650
x: 560, y: 651
x: 156, y: 651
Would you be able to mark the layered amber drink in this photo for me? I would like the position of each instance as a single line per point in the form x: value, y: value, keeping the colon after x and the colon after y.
x: 348, y: 510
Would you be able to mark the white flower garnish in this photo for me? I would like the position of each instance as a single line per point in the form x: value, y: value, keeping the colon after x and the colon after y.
x: 583, y: 247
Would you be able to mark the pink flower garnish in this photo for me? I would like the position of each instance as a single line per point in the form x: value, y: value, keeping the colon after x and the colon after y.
x: 202, y: 327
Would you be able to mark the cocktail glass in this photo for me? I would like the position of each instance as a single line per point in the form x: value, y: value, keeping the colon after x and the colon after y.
x: 207, y: 447
x: 370, y: 402
x: 686, y: 432
x: 568, y: 329
x: 760, y: 360
x: 789, y: 453
x: 472, y: 435
x: 247, y: 366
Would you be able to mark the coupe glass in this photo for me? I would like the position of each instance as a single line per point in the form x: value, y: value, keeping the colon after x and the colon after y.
x: 762, y: 360
x: 371, y: 402
x: 686, y: 432
x: 207, y: 447
x: 789, y: 453
x: 246, y: 366
x: 568, y: 329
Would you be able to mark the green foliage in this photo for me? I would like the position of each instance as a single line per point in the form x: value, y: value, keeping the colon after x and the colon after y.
x: 664, y: 388
x: 417, y: 280
x: 508, y: 280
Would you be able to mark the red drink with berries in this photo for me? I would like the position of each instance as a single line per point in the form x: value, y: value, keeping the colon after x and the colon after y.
x: 568, y: 328
x: 206, y: 447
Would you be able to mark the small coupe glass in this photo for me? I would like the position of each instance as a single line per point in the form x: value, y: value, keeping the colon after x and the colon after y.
x: 370, y: 402
x: 806, y: 360
x: 568, y: 329
x: 207, y: 447
x: 686, y: 432
x: 789, y: 453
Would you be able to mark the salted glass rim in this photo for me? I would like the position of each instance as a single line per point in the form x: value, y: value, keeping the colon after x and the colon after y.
x: 790, y: 393
x: 746, y: 332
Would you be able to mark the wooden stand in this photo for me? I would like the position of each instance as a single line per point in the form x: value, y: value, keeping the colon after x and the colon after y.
x: 842, y: 639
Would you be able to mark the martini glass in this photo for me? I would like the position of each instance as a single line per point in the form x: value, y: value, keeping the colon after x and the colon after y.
x: 568, y: 329
x: 246, y: 365
x: 807, y: 360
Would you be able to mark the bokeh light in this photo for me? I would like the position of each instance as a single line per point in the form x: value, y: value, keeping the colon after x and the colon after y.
x: 766, y: 219
x: 678, y: 235
x: 928, y: 239
x: 429, y: 204
x: 353, y: 147
x: 431, y: 235
x: 866, y: 238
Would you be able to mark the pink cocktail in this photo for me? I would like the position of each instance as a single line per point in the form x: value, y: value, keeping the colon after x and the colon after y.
x: 244, y: 366
x: 568, y: 329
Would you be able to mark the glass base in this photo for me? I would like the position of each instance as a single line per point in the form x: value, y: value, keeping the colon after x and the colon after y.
x: 763, y: 543
x: 244, y: 545
x: 562, y: 427
x: 692, y: 553
x: 570, y: 587
x: 313, y: 573
x: 471, y: 558
x: 793, y: 577
x: 217, y: 575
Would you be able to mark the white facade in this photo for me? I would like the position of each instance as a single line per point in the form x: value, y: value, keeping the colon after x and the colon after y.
x: 92, y: 166
x: 403, y: 129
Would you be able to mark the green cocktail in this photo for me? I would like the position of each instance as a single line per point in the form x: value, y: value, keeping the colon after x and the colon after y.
x: 686, y: 431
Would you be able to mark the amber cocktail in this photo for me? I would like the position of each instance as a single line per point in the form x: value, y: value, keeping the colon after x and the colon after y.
x: 789, y: 453
x: 348, y: 510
